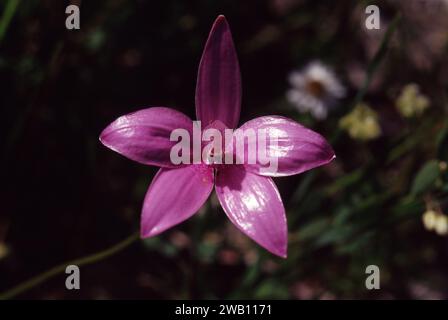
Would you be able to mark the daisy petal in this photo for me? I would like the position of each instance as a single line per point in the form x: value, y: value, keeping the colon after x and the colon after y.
x: 174, y: 196
x: 297, y: 148
x: 254, y: 205
x: 218, y: 88
x: 144, y: 135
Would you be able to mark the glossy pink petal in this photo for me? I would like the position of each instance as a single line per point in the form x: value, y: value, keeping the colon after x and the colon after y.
x: 173, y: 196
x: 253, y: 204
x: 144, y: 136
x: 298, y: 148
x: 218, y: 88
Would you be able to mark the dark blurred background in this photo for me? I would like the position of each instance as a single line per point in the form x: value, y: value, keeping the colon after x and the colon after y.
x: 65, y: 195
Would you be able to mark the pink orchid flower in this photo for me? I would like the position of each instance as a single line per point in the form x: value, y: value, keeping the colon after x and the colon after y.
x: 248, y: 196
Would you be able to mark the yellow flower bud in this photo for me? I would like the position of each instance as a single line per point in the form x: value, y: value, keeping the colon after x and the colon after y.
x: 4, y: 250
x: 361, y: 123
x: 429, y: 219
x: 411, y: 102
x: 441, y: 226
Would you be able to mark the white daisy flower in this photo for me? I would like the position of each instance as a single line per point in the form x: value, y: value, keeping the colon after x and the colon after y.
x: 315, y: 89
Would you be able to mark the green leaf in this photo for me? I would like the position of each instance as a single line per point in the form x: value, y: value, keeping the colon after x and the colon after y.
x: 426, y: 177
x: 314, y: 229
x: 271, y: 289
x: 345, y: 181
x: 8, y: 13
x: 442, y: 143
x: 335, y: 235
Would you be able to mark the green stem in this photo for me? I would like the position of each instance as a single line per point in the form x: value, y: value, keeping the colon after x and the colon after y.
x: 376, y: 61
x: 8, y: 13
x: 31, y: 283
